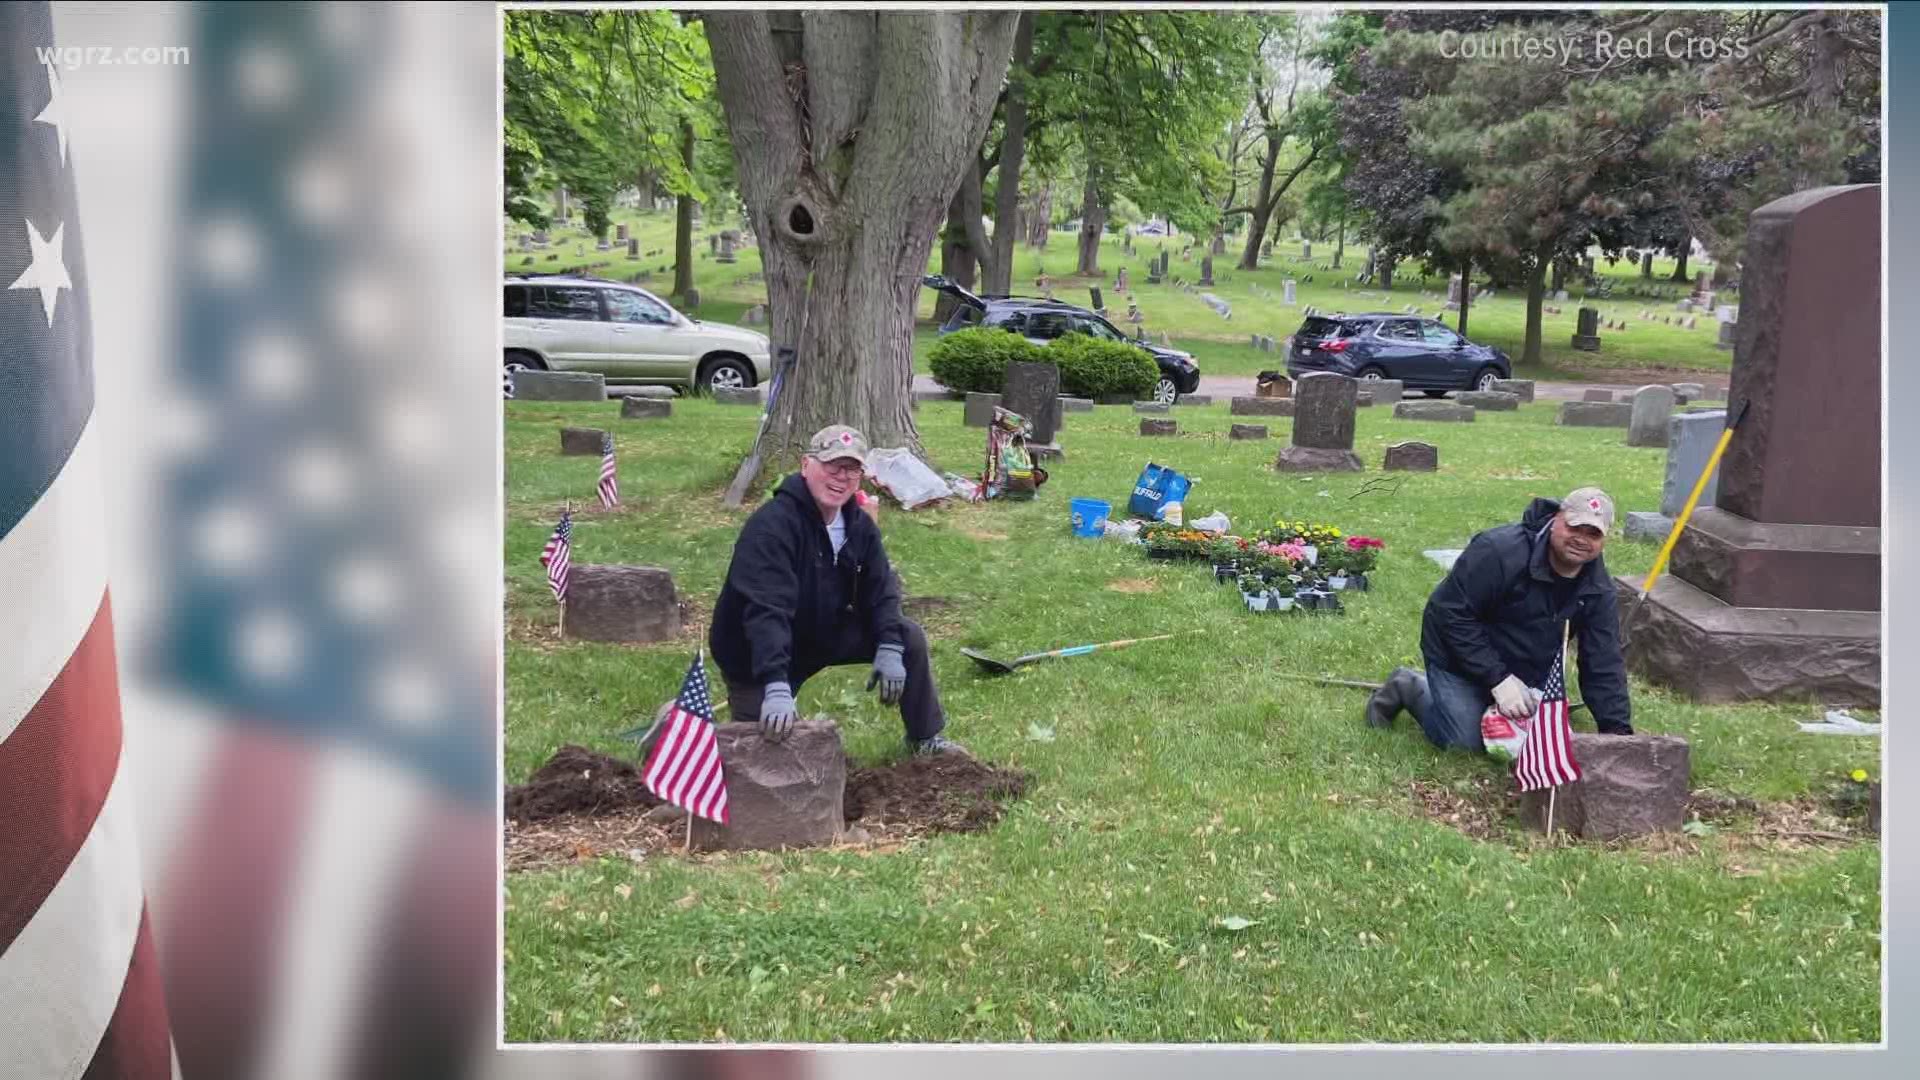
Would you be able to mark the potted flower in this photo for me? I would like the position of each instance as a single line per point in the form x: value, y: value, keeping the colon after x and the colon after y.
x: 1228, y: 554
x: 1361, y: 556
x: 1334, y: 566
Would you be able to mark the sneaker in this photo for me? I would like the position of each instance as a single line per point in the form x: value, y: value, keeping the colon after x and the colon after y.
x: 938, y: 744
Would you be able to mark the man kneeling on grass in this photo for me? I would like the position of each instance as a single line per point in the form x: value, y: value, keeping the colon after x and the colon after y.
x: 1493, y: 627
x: 810, y: 587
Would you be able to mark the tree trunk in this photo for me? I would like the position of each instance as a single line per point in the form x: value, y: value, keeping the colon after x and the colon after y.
x: 1340, y: 248
x: 1037, y: 218
x: 683, y: 221
x: 1386, y: 273
x: 1536, y: 294
x: 997, y: 263
x: 851, y: 132
x: 1559, y: 276
x: 1466, y: 293
x: 1680, y: 267
x: 957, y: 259
x: 1262, y: 205
x: 643, y: 183
x: 1093, y: 222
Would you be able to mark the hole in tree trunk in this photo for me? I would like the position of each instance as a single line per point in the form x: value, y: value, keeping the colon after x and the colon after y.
x: 800, y: 220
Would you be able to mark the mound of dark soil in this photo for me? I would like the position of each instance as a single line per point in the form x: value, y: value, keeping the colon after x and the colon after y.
x: 578, y: 781
x: 937, y: 793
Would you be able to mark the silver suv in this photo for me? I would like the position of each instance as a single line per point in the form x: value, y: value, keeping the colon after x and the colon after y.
x: 571, y: 323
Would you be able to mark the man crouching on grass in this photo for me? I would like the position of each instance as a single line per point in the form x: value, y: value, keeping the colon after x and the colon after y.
x: 810, y: 587
x: 1493, y: 627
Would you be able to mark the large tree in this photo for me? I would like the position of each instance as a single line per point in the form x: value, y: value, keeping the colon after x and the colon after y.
x: 1293, y: 120
x: 850, y: 131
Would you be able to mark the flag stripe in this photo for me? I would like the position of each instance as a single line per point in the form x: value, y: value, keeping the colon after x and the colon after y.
x: 53, y: 572
x: 55, y: 773
x: 60, y: 980
x: 136, y: 1045
x: 226, y: 899
x: 671, y: 752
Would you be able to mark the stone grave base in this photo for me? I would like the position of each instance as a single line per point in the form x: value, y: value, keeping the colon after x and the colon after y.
x: 788, y: 794
x: 1316, y: 459
x: 621, y: 603
x: 1711, y: 652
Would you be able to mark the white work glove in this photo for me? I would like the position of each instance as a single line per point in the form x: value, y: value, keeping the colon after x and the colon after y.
x: 1512, y: 698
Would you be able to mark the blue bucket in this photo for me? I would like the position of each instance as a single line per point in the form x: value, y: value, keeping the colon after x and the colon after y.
x: 1090, y: 517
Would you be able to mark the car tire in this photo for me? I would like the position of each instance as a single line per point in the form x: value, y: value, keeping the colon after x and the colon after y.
x: 1485, y: 378
x: 724, y: 373
x: 1434, y: 393
x: 1371, y: 373
x: 1165, y: 392
x: 521, y: 360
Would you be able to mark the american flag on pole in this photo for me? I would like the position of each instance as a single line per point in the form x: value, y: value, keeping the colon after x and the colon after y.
x: 1546, y: 758
x: 685, y: 767
x: 609, y: 476
x: 558, y: 556
x: 80, y: 983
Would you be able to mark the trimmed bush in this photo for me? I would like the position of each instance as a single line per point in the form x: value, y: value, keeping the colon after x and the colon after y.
x: 1093, y: 368
x: 975, y: 361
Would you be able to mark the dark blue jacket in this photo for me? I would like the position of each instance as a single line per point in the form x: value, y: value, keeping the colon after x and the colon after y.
x: 785, y: 591
x: 1494, y: 615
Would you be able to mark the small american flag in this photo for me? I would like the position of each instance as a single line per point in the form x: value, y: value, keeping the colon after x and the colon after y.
x: 685, y: 767
x: 1546, y: 758
x: 609, y: 478
x: 557, y: 556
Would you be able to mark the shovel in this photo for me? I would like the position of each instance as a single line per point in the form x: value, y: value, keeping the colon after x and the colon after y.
x: 998, y: 667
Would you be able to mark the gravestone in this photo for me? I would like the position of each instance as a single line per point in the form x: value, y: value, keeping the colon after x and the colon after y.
x: 1076, y: 404
x: 1306, y: 249
x: 737, y: 395
x: 1643, y: 526
x: 1647, y: 424
x: 581, y: 442
x: 1774, y: 592
x: 1490, y: 400
x: 1323, y: 423
x: 1646, y: 264
x: 641, y: 408
x: 755, y: 315
x: 728, y: 239
x: 1120, y: 281
x: 1386, y: 391
x: 780, y: 795
x: 1033, y: 391
x: 633, y: 247
x: 690, y: 299
x: 1150, y: 408
x: 1521, y: 388
x: 1362, y: 398
x: 1685, y: 392
x: 1630, y: 785
x: 1196, y: 399
x: 1097, y: 305
x: 1595, y: 414
x: 1726, y: 336
x: 558, y: 386
x: 1247, y: 431
x: 621, y: 603
x: 980, y: 409
x: 1206, y: 270
x: 664, y: 393
x: 1440, y: 411
x: 1454, y: 292
x: 1691, y: 437
x: 1594, y: 394
x: 1260, y: 406
x: 1149, y: 426
x: 1587, y: 337
x: 713, y: 243
x: 1288, y: 296
x: 1412, y: 457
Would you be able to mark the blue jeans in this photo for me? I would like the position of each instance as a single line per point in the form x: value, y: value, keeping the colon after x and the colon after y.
x: 1449, y: 710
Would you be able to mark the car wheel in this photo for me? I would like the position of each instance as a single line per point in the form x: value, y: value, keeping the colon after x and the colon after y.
x: 1486, y: 378
x: 726, y: 375
x: 1165, y: 392
x: 519, y: 360
x: 1373, y: 373
x: 1434, y: 393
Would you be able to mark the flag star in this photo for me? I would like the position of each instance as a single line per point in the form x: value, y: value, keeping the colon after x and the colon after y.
x: 48, y: 271
x: 53, y: 114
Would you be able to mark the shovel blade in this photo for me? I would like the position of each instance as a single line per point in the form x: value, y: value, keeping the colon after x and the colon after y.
x: 987, y: 663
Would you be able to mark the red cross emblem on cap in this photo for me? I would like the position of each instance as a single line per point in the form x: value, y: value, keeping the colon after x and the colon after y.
x: 1593, y: 504
x: 846, y: 439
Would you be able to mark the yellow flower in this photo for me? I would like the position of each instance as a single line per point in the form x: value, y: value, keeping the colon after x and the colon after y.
x: 1859, y: 776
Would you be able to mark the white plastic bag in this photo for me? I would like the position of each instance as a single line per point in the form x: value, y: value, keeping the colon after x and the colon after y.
x: 906, y: 477
x: 1216, y: 523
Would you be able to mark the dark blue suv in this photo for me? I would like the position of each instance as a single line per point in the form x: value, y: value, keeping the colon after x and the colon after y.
x: 1424, y: 354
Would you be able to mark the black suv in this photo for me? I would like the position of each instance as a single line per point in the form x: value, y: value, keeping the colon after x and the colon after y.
x: 1040, y: 321
x: 1424, y: 354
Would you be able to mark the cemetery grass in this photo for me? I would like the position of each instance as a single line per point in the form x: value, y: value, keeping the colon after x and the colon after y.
x: 1646, y: 351
x: 1204, y: 853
